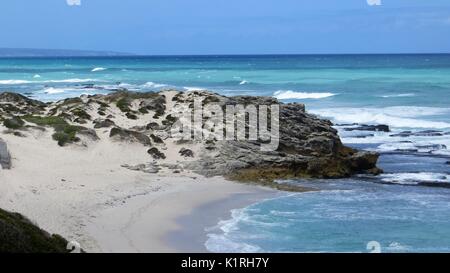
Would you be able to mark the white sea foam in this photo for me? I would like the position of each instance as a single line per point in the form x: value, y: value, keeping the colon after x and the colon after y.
x: 188, y: 88
x: 398, y: 95
x: 11, y: 82
x: 289, y: 94
x: 243, y: 82
x: 224, y: 242
x: 76, y: 80
x: 397, y: 247
x: 415, y: 178
x: 36, y: 76
x: 397, y: 116
x: 154, y: 85
x: 221, y: 244
x: 52, y: 90
x: 98, y: 69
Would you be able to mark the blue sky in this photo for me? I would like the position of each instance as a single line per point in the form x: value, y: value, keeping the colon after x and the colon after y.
x: 228, y: 26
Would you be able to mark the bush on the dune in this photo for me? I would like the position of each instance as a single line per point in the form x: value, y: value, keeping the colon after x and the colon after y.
x: 19, y: 235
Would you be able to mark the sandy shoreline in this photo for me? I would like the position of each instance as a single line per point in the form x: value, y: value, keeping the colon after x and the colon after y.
x: 85, y: 195
x: 157, y: 222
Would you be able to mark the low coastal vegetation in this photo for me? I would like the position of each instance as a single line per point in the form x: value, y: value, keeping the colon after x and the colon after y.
x: 14, y: 123
x: 20, y: 235
x: 309, y: 147
x: 64, y: 132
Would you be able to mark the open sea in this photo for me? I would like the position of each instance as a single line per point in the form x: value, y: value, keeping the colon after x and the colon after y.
x: 406, y: 209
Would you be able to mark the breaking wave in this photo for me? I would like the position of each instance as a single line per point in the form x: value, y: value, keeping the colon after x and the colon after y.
x: 289, y: 94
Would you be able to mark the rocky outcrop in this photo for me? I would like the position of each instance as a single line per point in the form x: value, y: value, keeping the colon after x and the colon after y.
x: 103, y: 123
x: 121, y: 134
x: 5, y: 157
x: 308, y: 145
x: 186, y: 152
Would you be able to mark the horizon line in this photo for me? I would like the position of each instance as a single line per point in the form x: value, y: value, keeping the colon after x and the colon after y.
x: 131, y: 55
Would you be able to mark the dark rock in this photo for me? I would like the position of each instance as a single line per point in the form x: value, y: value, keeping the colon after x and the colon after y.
x: 402, y: 134
x: 169, y: 120
x: 103, y: 123
x: 79, y: 121
x: 156, y: 139
x: 432, y: 147
x: 435, y: 184
x: 448, y: 162
x: 128, y: 135
x: 131, y: 116
x: 420, y: 133
x: 82, y: 114
x: 429, y: 133
x: 372, y: 128
x: 186, y: 152
x: 155, y: 126
x: 156, y: 154
x: 87, y: 132
x: 5, y: 157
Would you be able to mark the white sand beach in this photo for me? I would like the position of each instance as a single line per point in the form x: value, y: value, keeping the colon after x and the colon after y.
x: 85, y: 195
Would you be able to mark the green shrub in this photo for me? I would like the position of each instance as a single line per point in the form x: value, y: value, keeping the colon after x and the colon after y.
x: 143, y: 110
x: 131, y: 116
x: 19, y: 235
x: 81, y: 114
x: 123, y: 105
x: 170, y: 120
x: 64, y: 132
x: 45, y: 121
x: 14, y: 123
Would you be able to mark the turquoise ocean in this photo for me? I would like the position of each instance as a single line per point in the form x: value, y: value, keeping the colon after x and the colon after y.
x: 406, y: 209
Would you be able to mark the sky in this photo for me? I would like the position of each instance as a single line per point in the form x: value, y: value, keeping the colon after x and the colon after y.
x: 178, y: 27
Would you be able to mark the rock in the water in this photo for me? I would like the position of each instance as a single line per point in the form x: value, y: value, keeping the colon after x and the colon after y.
x: 435, y: 184
x: 186, y: 152
x: 128, y: 135
x: 429, y: 133
x: 419, y: 134
x: 448, y: 162
x: 5, y: 157
x: 156, y: 154
x: 373, y: 128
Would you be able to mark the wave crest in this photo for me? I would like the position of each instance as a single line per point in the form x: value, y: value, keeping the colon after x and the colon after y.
x: 289, y: 94
x: 97, y: 69
x: 396, y: 116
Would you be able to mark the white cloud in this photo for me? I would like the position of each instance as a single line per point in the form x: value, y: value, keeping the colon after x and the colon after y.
x: 374, y: 2
x: 74, y: 2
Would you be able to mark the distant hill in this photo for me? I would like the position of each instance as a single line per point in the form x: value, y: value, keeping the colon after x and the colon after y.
x: 29, y: 52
